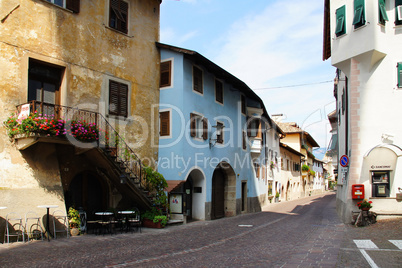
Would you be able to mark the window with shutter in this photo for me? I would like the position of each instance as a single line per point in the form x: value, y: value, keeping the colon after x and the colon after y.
x: 164, y: 118
x: 254, y: 127
x: 118, y: 15
x: 243, y: 104
x: 382, y: 13
x: 218, y: 91
x: 166, y: 69
x: 73, y: 5
x: 340, y: 28
x: 219, y: 136
x: 197, y: 80
x: 244, y: 143
x: 204, y: 128
x: 398, y: 12
x: 198, y: 126
x: 257, y: 170
x: 359, y: 14
x: 192, y: 125
x: 118, y: 98
x: 399, y: 69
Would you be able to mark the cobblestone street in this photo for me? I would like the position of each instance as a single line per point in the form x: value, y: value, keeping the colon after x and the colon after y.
x: 300, y: 233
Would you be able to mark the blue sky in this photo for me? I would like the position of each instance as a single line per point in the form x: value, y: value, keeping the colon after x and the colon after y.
x: 272, y: 45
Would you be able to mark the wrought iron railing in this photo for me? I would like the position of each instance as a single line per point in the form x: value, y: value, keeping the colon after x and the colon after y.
x: 108, y: 139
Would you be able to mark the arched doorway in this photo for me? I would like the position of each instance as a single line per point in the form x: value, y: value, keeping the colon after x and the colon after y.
x: 86, y: 191
x: 195, y: 195
x: 218, y: 194
x: 223, y: 192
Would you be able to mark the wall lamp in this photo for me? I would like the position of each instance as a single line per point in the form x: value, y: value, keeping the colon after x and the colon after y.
x: 219, y: 130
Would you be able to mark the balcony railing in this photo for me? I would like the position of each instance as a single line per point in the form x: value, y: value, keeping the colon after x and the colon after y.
x: 106, y: 137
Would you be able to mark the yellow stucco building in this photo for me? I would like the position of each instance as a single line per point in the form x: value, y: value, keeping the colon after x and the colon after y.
x: 92, y: 61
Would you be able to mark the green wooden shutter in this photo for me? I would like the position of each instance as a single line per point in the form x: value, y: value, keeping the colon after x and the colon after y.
x: 340, y: 21
x: 359, y: 13
x: 399, y: 67
x: 382, y: 13
x: 73, y: 5
x: 397, y: 15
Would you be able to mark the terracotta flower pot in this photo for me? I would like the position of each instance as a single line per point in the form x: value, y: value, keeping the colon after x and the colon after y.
x: 150, y: 224
x: 74, y: 231
x: 365, y: 209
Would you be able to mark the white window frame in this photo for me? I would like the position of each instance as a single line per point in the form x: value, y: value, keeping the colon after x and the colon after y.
x: 171, y: 73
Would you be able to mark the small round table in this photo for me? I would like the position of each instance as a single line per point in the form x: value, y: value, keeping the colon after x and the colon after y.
x: 47, y: 218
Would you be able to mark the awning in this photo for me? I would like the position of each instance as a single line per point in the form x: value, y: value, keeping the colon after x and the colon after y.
x: 174, y: 185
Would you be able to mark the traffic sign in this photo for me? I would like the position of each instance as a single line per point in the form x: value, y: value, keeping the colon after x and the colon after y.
x: 344, y: 161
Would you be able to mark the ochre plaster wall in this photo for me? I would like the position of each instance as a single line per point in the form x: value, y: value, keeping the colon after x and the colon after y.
x: 91, y: 53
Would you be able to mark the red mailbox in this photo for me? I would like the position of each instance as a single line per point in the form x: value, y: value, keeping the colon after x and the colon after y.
x: 358, y: 191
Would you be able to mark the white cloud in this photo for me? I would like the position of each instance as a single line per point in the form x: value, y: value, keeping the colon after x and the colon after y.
x: 171, y: 37
x: 280, y: 46
x: 274, y: 43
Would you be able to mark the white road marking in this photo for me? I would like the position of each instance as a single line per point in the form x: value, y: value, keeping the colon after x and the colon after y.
x: 368, y: 259
x: 397, y: 243
x: 365, y: 244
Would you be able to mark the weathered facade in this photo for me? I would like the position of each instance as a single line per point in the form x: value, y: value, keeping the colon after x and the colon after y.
x: 97, y: 56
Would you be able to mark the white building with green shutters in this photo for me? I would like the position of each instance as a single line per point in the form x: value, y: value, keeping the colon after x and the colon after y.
x: 363, y: 39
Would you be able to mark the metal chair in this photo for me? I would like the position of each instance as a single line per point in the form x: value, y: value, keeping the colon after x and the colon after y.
x: 33, y: 226
x: 14, y: 227
x: 134, y: 219
x: 92, y: 224
x: 83, y: 217
x: 60, y: 223
x: 105, y: 221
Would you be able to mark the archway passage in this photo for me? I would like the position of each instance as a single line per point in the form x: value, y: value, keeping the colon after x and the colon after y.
x: 218, y: 194
x: 224, y: 192
x: 86, y: 191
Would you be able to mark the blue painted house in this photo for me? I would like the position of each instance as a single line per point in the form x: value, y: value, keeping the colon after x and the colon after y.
x: 217, y: 144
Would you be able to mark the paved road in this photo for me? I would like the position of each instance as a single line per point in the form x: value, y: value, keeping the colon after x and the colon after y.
x: 301, y: 233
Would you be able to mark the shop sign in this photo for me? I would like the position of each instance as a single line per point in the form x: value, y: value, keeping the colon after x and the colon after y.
x: 387, y: 167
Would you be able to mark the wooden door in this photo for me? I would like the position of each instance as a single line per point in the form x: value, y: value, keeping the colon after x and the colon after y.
x: 218, y: 194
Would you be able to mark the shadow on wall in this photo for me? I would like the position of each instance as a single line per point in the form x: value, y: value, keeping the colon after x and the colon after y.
x: 42, y: 159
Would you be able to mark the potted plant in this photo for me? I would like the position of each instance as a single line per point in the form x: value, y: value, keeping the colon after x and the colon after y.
x: 364, y: 205
x: 154, y: 219
x: 276, y: 197
x: 74, y: 221
x: 272, y: 165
